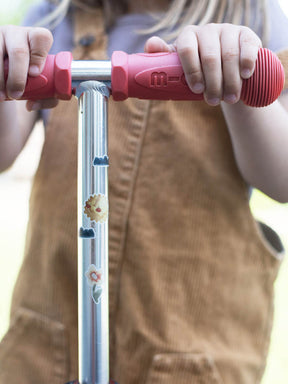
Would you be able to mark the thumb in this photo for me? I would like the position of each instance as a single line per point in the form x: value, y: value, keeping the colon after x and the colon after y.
x: 156, y: 44
x: 40, y: 42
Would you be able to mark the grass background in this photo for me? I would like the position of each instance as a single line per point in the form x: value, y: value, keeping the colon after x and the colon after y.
x: 15, y: 187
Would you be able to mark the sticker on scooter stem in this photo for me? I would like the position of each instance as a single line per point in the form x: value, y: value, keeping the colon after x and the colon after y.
x: 94, y: 279
x: 104, y: 161
x: 96, y: 208
x: 96, y: 294
x: 87, y: 233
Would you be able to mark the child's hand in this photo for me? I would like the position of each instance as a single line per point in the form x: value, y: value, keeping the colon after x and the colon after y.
x: 215, y: 58
x: 27, y: 49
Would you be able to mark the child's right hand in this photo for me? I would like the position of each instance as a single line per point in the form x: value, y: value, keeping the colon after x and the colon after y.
x: 27, y: 49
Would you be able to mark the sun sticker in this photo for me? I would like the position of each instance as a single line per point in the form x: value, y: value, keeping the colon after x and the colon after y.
x: 96, y: 208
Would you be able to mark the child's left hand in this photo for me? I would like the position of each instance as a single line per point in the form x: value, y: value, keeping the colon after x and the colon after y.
x: 215, y: 58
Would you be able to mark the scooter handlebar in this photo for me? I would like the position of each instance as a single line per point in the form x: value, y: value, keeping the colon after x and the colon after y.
x: 157, y: 76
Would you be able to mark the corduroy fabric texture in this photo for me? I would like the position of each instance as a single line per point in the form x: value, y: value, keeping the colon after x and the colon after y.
x: 191, y: 276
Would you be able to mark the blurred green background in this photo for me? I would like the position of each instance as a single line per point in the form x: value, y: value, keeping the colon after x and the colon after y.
x: 12, y: 11
x: 15, y: 187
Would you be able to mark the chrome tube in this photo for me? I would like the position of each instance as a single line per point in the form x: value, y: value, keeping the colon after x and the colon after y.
x: 90, y: 70
x: 93, y: 312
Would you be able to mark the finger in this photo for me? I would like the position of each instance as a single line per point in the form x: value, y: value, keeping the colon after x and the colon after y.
x: 210, y: 56
x: 17, y: 49
x: 187, y: 48
x: 41, y: 104
x: 40, y: 41
x: 230, y: 53
x: 156, y: 44
x: 249, y: 47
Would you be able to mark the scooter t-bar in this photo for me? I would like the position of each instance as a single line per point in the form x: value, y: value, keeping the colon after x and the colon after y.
x: 157, y: 76
x: 145, y: 76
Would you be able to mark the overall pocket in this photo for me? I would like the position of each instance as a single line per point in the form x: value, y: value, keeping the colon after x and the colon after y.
x: 183, y: 368
x: 34, y: 350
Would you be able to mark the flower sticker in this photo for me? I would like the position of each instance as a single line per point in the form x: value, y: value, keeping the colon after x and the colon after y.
x: 94, y: 279
x: 96, y: 294
x: 94, y: 276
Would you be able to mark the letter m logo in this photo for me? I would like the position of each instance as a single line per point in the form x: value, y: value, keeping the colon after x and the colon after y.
x: 158, y: 79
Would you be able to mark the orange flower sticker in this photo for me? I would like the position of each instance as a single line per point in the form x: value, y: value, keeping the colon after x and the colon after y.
x: 93, y: 275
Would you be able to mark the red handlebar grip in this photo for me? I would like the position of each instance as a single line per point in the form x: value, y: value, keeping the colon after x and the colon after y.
x: 267, y: 81
x: 160, y: 76
x: 154, y: 76
x: 54, y: 81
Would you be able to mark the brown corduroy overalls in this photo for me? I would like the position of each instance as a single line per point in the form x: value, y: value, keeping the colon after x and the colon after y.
x: 191, y: 275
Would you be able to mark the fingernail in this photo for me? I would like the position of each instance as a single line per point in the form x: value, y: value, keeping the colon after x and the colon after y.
x: 246, y: 73
x: 198, y: 88
x: 213, y: 101
x: 34, y: 70
x: 230, y: 99
x: 15, y: 94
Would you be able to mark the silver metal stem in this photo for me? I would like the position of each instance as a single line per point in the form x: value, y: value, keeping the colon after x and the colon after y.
x: 91, y: 70
x: 93, y: 316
